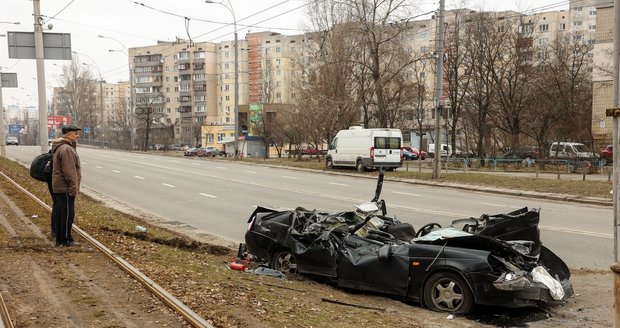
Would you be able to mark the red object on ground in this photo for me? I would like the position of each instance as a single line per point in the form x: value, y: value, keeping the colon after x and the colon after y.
x: 236, y: 266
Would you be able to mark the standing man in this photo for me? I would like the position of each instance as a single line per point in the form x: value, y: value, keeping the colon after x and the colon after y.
x: 66, y: 177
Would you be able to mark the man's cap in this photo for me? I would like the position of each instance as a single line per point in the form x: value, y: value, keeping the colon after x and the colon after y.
x: 68, y: 128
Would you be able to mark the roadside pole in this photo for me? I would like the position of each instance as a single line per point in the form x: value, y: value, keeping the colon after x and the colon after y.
x: 38, y: 45
x: 439, y: 89
x: 616, y: 159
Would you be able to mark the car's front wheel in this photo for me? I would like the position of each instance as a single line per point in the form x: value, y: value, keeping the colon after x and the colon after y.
x: 448, y: 292
x: 330, y: 163
x: 284, y: 261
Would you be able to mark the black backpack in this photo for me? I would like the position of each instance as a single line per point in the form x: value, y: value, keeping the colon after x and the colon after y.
x: 41, y: 167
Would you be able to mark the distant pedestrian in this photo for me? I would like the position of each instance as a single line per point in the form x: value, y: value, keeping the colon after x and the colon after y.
x: 66, y: 177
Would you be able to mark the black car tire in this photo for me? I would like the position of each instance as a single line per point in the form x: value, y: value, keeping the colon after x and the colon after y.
x: 284, y: 261
x: 330, y: 163
x: 448, y: 292
x: 359, y: 166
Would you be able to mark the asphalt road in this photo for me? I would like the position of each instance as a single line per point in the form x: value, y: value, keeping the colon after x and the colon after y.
x: 218, y: 196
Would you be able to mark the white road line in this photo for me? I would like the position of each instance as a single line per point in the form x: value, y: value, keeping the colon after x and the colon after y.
x: 99, y: 167
x: 251, y: 172
x: 115, y: 171
x: 491, y: 204
x: 168, y: 185
x: 289, y: 177
x: 138, y: 177
x: 578, y: 232
x: 339, y: 184
x: 207, y: 195
x: 196, y: 164
x: 220, y: 167
x: 405, y: 193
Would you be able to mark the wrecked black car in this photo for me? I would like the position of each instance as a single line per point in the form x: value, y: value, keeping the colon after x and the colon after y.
x: 494, y: 260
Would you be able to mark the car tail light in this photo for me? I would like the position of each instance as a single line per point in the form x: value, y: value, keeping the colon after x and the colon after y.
x: 372, y: 152
x: 401, y: 154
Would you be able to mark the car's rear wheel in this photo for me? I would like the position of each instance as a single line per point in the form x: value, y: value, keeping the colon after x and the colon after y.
x: 448, y: 292
x: 284, y: 261
x: 359, y: 166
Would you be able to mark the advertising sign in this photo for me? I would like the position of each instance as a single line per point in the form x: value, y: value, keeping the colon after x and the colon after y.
x: 55, y: 122
x: 15, y: 128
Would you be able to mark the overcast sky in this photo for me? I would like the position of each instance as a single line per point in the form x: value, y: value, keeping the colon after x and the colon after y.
x: 136, y: 23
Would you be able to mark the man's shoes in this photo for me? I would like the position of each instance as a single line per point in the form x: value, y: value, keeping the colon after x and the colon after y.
x: 68, y: 243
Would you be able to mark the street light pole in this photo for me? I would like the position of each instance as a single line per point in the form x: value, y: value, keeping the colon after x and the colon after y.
x: 39, y: 55
x: 236, y: 96
x: 439, y: 91
x: 101, y: 81
x: 132, y: 131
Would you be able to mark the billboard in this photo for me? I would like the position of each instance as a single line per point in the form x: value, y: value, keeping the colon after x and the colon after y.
x: 15, y: 128
x: 55, y: 122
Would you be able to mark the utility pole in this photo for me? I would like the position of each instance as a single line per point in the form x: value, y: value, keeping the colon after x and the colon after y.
x: 439, y: 90
x: 39, y: 56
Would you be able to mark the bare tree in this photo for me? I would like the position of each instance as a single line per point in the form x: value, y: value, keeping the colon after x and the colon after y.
x: 78, y: 98
x: 512, y: 75
x: 485, y: 51
x: 567, y: 81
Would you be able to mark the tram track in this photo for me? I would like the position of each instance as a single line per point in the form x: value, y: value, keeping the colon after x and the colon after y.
x: 191, y: 317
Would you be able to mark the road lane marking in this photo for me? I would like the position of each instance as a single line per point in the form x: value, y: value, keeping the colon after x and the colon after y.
x: 339, y: 184
x: 99, y: 167
x: 220, y: 167
x: 578, y: 232
x: 207, y: 195
x: 138, y: 177
x: 168, y: 185
x: 198, y: 164
x: 251, y: 172
x: 289, y: 177
x: 405, y: 193
x: 491, y: 204
x: 115, y: 171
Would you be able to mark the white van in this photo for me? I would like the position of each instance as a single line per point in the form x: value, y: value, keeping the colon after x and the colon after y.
x: 366, y: 149
x: 569, y: 150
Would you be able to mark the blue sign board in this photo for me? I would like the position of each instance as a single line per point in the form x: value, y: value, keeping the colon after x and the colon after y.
x: 86, y: 130
x: 15, y: 128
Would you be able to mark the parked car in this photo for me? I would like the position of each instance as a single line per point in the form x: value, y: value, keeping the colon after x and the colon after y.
x: 570, y: 150
x: 409, y: 155
x: 366, y: 149
x: 421, y: 154
x: 496, y: 260
x: 309, y: 151
x: 191, y: 152
x: 523, y: 153
x: 12, y: 141
x: 607, y: 153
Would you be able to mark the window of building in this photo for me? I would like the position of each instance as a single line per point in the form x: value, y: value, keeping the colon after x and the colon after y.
x: 592, y: 12
x: 562, y: 26
x: 200, y: 98
x: 226, y: 87
x: 184, y: 55
x: 199, y: 77
x: 591, y: 27
x: 278, y: 49
x: 227, y: 98
x: 543, y: 27
x: 578, y: 9
x: 199, y: 54
x: 209, y: 137
x: 220, y: 137
x: 577, y: 23
x: 201, y: 108
x: 526, y: 28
